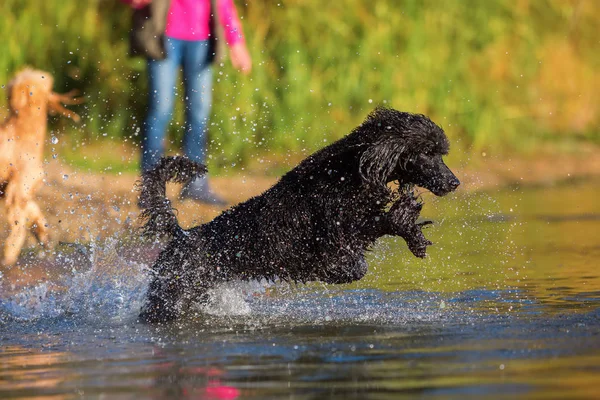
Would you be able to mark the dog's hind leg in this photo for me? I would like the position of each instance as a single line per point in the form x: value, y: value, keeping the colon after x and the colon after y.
x: 161, y: 304
x: 18, y: 231
x: 168, y: 299
x: 175, y: 285
x: 345, y: 268
x: 37, y: 222
x: 164, y: 300
x: 23, y: 213
x: 17, y: 198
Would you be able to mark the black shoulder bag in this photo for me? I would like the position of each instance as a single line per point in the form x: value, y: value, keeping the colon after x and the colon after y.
x: 147, y: 36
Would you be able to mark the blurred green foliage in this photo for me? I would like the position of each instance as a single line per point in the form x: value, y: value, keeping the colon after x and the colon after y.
x: 498, y: 75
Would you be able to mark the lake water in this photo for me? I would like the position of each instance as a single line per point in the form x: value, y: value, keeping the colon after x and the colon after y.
x: 507, y: 305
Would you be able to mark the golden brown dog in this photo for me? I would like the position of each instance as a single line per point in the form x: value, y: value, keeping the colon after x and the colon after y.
x: 22, y: 136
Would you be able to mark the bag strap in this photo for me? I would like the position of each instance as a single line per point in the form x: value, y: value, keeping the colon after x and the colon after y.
x: 217, y: 50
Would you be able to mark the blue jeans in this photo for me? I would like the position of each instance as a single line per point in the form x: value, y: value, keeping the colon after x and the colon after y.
x: 192, y: 56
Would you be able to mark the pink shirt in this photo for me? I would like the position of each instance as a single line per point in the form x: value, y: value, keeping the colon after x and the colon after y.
x: 189, y: 20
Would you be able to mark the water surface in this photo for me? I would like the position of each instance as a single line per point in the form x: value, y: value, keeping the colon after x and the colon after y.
x: 506, y: 305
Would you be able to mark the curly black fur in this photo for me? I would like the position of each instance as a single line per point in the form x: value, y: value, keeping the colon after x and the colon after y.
x: 315, y: 224
x: 156, y: 208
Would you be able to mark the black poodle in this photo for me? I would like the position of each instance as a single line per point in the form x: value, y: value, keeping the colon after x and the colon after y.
x: 315, y: 224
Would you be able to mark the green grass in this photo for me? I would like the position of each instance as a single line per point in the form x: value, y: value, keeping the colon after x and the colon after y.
x: 499, y: 76
x: 107, y: 156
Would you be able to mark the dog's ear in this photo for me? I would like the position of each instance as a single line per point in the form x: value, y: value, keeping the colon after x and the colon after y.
x: 17, y: 95
x: 379, y: 161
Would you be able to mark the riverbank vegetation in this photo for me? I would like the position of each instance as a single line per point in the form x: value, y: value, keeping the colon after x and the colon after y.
x: 501, y: 76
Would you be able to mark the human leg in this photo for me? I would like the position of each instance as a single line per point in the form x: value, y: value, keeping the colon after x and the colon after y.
x: 197, y: 78
x: 162, y: 78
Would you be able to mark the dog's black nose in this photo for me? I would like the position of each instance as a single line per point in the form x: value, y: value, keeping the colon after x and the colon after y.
x: 454, y: 183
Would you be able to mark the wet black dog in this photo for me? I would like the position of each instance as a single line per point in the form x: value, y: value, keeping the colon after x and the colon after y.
x: 315, y: 224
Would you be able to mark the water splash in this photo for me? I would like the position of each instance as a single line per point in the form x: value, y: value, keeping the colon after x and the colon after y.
x: 106, y: 281
x: 103, y: 285
x: 112, y: 291
x: 232, y: 298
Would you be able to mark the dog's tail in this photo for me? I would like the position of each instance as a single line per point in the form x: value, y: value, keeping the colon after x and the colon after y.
x: 156, y: 208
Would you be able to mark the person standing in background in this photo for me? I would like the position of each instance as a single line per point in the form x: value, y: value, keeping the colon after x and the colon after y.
x: 189, y: 44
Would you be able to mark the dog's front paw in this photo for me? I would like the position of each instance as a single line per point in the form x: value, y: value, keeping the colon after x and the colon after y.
x: 403, y: 217
x: 403, y: 214
x: 417, y: 242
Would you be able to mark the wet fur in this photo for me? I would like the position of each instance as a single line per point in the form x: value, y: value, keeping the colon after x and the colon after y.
x: 315, y: 224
